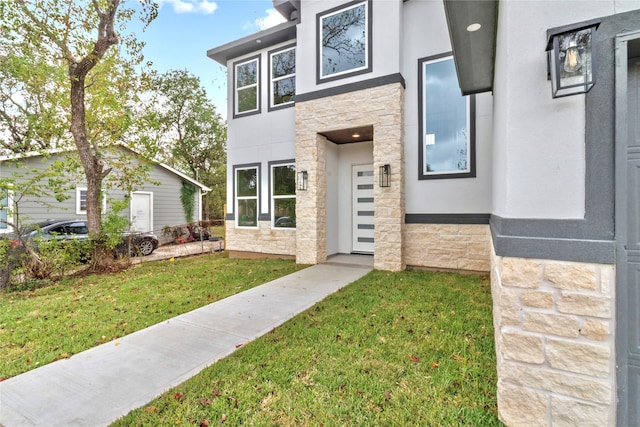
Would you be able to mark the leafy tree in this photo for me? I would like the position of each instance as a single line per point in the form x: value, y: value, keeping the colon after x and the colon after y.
x: 81, y: 38
x: 192, y: 133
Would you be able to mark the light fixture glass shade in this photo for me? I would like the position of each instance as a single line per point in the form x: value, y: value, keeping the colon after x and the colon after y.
x: 385, y: 171
x: 303, y: 179
x: 571, y: 59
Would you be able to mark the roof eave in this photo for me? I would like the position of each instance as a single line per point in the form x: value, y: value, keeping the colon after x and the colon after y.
x: 474, y: 52
x: 269, y: 37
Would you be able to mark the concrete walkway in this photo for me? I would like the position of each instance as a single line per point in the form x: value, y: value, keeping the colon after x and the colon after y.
x: 100, y: 385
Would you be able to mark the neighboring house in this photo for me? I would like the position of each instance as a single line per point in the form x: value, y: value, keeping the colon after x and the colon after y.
x: 154, y: 205
x: 348, y: 133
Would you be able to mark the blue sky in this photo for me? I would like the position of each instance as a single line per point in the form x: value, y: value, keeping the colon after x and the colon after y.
x: 185, y: 29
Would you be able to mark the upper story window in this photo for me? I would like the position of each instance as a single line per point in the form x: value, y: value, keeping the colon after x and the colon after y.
x: 446, y: 122
x: 283, y: 77
x: 344, y: 41
x: 246, y: 76
x: 246, y: 196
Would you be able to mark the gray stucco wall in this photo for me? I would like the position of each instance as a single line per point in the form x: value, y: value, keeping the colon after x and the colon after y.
x: 268, y: 136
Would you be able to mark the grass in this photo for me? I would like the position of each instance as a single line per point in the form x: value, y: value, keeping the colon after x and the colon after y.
x: 392, y: 349
x: 40, y: 326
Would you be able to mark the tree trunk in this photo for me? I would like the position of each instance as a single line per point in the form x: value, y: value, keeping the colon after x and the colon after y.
x: 91, y: 164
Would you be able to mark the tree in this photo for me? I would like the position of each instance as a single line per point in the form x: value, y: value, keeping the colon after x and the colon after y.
x: 192, y: 132
x: 81, y: 37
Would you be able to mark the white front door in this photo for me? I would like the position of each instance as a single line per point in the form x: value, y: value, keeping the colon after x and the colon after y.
x: 362, y: 209
x: 141, y: 211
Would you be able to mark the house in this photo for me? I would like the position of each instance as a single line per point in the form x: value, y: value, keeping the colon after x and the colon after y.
x: 435, y: 134
x: 152, y: 206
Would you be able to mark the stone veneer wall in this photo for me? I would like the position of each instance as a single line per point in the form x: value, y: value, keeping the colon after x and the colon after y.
x: 264, y: 239
x: 381, y: 107
x: 448, y: 246
x: 554, y: 328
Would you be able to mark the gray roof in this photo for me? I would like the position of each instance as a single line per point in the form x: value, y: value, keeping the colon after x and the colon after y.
x: 269, y: 37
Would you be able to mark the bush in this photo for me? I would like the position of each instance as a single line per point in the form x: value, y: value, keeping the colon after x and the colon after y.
x: 10, y: 257
x: 55, y: 257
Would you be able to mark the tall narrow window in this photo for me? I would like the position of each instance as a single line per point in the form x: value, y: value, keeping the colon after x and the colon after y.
x: 283, y: 195
x: 344, y: 41
x: 247, y: 197
x: 5, y: 210
x: 81, y: 200
x: 447, y: 122
x: 283, y: 77
x: 247, y: 86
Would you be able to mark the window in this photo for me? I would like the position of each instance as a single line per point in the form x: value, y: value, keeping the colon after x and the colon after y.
x: 247, y: 86
x: 283, y: 199
x: 5, y: 209
x: 81, y: 201
x: 344, y: 41
x: 247, y: 197
x: 446, y: 122
x: 283, y: 77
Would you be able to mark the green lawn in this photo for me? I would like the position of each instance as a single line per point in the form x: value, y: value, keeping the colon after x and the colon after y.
x: 54, y: 322
x: 393, y: 349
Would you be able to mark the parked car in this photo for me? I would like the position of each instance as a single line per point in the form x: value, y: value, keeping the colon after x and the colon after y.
x: 132, y: 242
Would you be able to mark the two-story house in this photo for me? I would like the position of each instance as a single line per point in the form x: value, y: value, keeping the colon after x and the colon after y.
x: 433, y: 134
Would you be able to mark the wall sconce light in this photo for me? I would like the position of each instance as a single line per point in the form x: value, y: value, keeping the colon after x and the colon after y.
x: 571, y: 59
x: 303, y: 180
x: 385, y: 172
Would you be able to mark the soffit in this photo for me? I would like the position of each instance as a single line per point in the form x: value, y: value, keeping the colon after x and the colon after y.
x: 474, y: 52
x: 251, y: 43
x: 346, y: 136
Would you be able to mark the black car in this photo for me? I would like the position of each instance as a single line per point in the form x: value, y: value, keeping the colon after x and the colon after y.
x: 133, y: 243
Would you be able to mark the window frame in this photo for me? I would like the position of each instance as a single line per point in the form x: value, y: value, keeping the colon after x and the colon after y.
x: 471, y: 125
x: 79, y: 210
x: 236, y: 89
x: 320, y: 77
x: 237, y: 198
x: 273, y: 197
x: 271, y: 54
x: 9, y: 209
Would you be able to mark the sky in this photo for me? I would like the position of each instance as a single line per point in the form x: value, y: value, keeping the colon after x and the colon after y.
x: 185, y: 29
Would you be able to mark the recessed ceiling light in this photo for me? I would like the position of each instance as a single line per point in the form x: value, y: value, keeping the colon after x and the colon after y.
x: 474, y: 27
x: 355, y: 135
x: 258, y: 41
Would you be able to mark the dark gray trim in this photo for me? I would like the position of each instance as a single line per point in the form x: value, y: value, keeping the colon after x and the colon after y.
x: 536, y: 245
x: 352, y: 87
x: 478, y: 218
x: 625, y: 46
x: 270, y: 82
x: 254, y: 42
x: 369, y: 68
x: 230, y: 216
x: 259, y: 175
x: 472, y: 128
x: 258, y: 87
